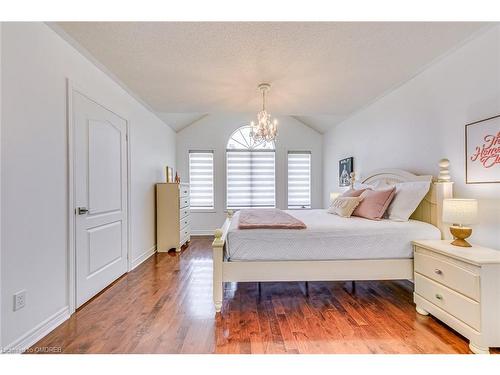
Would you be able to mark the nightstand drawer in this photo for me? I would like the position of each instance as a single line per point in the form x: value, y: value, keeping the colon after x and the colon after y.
x: 461, y: 307
x: 449, y: 274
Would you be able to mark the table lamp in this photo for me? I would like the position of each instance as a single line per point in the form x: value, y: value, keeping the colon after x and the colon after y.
x: 460, y: 213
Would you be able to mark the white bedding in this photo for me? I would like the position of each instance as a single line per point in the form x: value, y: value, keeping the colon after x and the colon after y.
x: 327, y: 237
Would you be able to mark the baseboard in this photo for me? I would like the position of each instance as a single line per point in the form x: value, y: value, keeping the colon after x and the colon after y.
x: 33, y: 336
x: 205, y: 232
x: 141, y: 258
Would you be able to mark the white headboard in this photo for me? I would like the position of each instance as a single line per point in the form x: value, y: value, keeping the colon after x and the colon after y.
x: 430, y: 209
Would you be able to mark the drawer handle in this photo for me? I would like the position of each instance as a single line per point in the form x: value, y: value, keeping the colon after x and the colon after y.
x: 438, y: 271
x: 439, y: 297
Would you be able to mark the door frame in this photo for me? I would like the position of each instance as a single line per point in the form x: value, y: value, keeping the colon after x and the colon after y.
x: 72, y: 87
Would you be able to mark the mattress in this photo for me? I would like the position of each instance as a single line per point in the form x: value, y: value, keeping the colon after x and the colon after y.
x: 327, y: 237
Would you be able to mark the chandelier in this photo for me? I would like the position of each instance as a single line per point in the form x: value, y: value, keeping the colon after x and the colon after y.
x: 264, y: 130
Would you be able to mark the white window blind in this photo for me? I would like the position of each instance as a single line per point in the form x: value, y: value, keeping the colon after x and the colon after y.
x: 299, y: 179
x: 201, y: 179
x: 250, y: 179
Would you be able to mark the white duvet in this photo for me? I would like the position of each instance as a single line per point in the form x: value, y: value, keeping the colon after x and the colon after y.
x: 328, y: 237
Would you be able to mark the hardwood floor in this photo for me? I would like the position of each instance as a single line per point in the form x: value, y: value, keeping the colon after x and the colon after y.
x: 165, y: 306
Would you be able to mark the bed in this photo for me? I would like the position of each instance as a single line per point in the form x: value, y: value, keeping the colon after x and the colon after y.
x: 332, y: 248
x: 327, y: 237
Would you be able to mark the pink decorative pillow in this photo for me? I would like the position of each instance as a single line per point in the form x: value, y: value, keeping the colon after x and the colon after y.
x: 374, y: 203
x: 353, y: 193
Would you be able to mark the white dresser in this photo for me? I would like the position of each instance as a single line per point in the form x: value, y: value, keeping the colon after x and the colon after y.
x: 172, y: 216
x: 461, y: 287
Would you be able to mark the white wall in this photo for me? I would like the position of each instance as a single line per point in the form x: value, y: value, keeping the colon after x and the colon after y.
x: 35, y: 65
x: 213, y: 132
x: 1, y: 238
x: 423, y: 121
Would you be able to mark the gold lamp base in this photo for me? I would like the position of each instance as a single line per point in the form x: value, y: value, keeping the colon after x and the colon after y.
x: 460, y: 234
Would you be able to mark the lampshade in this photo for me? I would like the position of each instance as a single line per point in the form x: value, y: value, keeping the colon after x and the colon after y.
x: 460, y: 211
x: 334, y: 195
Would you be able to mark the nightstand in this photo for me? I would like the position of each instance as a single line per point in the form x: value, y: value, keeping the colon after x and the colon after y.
x: 461, y: 287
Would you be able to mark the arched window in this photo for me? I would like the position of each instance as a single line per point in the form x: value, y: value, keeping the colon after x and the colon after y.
x: 250, y: 171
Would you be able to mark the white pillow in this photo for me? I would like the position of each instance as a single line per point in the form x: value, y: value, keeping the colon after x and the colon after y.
x: 378, y: 185
x: 406, y: 200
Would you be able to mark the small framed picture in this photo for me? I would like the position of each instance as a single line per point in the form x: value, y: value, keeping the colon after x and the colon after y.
x: 482, y: 151
x: 346, y: 167
x: 169, y: 174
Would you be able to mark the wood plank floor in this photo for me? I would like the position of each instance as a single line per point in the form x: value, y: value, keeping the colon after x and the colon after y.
x: 165, y: 306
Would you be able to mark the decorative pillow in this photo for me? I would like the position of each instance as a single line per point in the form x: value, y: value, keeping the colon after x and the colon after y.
x: 406, y: 200
x: 352, y: 193
x: 344, y: 206
x: 374, y: 203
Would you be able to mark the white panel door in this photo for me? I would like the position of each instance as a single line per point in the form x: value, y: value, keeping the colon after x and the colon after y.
x: 100, y: 191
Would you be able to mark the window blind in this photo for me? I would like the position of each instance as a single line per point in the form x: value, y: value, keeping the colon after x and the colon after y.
x: 250, y: 179
x: 299, y: 179
x: 201, y: 179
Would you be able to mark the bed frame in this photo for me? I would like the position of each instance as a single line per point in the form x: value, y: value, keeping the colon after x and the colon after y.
x: 429, y: 210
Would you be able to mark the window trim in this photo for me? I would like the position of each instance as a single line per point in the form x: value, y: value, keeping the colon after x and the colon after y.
x: 295, y: 151
x: 203, y: 210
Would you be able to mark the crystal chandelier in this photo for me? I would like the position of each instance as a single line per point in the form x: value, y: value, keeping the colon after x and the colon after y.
x: 264, y: 130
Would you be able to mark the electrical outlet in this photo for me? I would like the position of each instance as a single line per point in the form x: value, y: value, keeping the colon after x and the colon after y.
x: 19, y: 300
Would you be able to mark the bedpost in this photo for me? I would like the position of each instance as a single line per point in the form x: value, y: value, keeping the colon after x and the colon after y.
x: 430, y: 210
x: 218, y: 249
x: 443, y: 189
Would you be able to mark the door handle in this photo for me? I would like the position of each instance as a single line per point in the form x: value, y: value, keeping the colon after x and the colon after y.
x: 82, y: 210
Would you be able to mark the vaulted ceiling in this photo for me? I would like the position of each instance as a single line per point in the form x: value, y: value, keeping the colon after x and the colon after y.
x: 320, y: 73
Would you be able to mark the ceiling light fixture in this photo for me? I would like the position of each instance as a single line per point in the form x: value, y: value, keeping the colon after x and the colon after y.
x: 264, y: 130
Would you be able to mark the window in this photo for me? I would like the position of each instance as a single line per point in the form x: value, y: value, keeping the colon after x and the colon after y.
x: 201, y: 179
x: 299, y: 179
x: 250, y: 172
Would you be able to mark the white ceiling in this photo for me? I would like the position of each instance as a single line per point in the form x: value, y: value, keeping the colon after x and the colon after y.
x: 320, y: 72
x: 179, y: 121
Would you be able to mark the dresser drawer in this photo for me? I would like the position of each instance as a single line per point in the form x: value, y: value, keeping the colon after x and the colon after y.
x: 184, y: 234
x: 183, y: 202
x: 184, y: 240
x: 184, y: 222
x: 183, y: 212
x: 456, y: 304
x: 449, y: 274
x: 183, y: 190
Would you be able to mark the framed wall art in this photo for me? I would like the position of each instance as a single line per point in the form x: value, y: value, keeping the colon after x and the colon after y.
x: 346, y: 167
x: 482, y: 151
